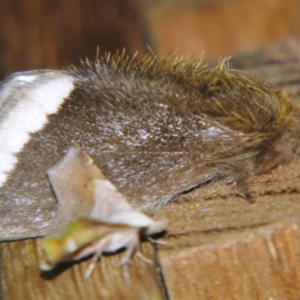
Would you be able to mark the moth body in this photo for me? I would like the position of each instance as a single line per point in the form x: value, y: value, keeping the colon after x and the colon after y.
x: 93, y: 217
x: 156, y: 127
x: 83, y: 238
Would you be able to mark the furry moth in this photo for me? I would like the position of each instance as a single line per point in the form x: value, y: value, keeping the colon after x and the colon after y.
x: 156, y: 127
x: 92, y: 217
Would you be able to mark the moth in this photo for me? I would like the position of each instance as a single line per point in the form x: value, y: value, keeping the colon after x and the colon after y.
x: 93, y: 217
x: 156, y: 127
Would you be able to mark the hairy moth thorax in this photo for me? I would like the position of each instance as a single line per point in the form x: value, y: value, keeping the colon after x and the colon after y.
x: 156, y: 127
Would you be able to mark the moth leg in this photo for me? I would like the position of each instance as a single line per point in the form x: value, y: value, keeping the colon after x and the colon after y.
x: 243, y: 190
x: 125, y: 261
x: 240, y: 178
x: 92, y: 265
x: 139, y: 254
x: 133, y: 247
x: 97, y: 249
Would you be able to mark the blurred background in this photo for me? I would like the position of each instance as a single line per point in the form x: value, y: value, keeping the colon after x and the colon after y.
x: 56, y: 33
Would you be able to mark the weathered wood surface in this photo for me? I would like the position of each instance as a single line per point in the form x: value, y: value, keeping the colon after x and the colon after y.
x: 21, y: 278
x: 218, y: 245
x: 262, y: 263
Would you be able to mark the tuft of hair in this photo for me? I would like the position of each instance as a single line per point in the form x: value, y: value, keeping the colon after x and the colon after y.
x: 266, y: 118
x: 211, y: 81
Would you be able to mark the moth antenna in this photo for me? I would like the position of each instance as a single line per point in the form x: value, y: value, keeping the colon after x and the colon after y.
x: 92, y: 265
x: 153, y: 241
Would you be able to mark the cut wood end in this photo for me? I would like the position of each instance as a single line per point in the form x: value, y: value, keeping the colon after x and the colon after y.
x: 261, y: 263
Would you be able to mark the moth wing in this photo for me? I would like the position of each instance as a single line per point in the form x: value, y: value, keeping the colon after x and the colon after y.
x: 23, y: 83
x: 82, y: 190
x: 158, y: 175
x: 26, y: 99
x: 108, y: 201
x: 72, y: 182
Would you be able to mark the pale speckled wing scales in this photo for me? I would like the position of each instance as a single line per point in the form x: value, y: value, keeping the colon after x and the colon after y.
x: 82, y: 190
x: 72, y: 182
x: 108, y: 201
x: 112, y: 207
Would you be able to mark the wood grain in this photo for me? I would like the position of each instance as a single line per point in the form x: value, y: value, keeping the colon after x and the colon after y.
x: 21, y: 278
x: 260, y: 264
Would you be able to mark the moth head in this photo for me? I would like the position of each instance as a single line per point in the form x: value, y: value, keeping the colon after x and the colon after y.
x: 156, y: 226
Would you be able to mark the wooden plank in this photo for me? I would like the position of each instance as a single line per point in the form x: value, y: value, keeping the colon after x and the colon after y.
x: 21, y: 278
x: 261, y: 264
